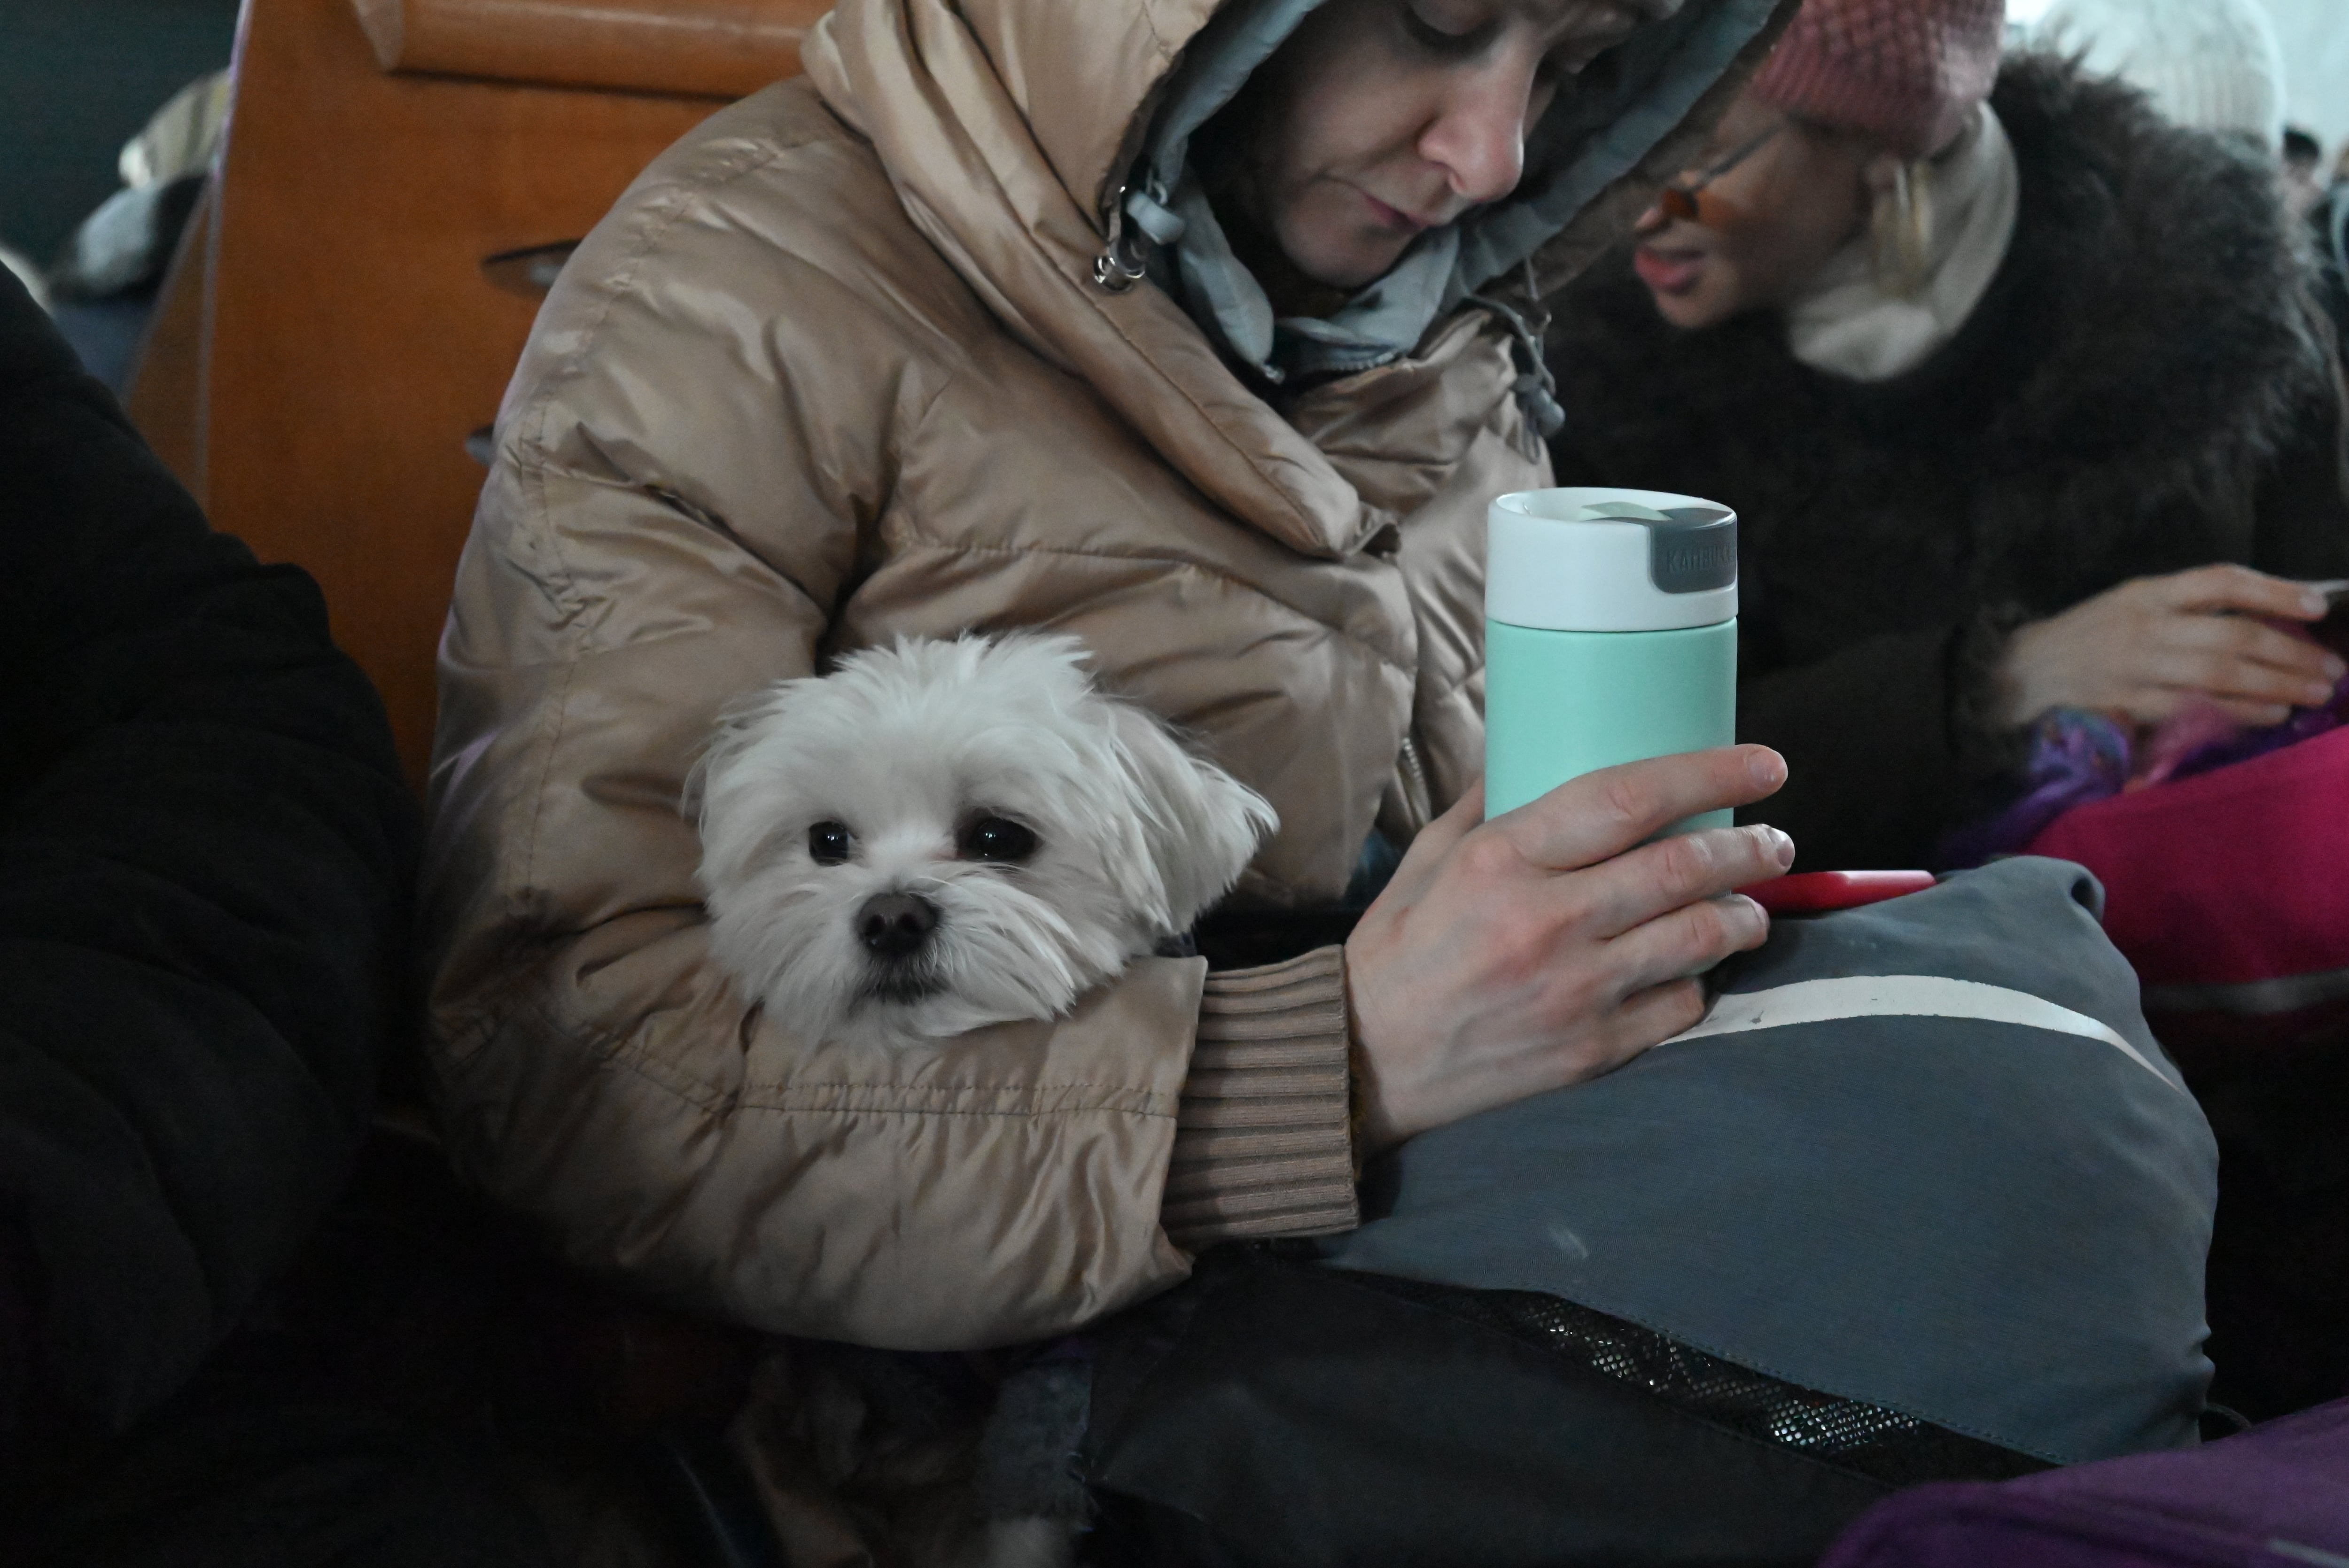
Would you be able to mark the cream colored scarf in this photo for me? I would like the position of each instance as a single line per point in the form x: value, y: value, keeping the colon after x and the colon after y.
x: 1848, y: 324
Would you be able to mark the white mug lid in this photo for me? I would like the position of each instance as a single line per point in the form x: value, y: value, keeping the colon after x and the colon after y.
x: 1592, y: 559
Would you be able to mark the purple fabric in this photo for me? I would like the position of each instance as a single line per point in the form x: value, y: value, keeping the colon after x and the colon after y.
x: 2275, y: 1497
x: 2076, y: 757
x: 2243, y: 745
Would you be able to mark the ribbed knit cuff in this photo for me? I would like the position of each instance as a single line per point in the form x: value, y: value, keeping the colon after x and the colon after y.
x: 1263, y: 1142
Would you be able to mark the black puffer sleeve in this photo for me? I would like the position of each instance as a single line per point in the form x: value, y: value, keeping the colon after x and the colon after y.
x: 205, y: 856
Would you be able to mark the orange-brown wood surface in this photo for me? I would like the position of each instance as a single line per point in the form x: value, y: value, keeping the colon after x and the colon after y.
x: 165, y: 397
x: 724, y: 48
x: 351, y: 341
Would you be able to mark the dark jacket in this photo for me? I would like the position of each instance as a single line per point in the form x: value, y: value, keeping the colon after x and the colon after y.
x: 2328, y: 230
x: 2141, y: 390
x: 205, y: 853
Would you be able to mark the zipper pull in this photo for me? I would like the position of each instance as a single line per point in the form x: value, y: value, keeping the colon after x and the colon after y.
x: 1114, y: 269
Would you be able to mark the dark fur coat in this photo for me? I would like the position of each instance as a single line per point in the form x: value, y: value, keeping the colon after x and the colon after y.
x: 2144, y: 389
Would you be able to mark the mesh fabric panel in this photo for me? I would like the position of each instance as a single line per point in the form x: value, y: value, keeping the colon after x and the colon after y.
x: 1883, y: 1444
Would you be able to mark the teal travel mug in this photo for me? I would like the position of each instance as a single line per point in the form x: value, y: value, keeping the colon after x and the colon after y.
x: 1610, y: 636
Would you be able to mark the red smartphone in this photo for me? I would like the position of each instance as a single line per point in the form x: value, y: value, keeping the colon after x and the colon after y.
x: 1815, y: 893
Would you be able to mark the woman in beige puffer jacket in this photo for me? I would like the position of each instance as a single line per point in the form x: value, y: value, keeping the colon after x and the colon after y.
x: 901, y: 348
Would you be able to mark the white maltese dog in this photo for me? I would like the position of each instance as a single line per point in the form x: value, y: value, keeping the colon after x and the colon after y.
x: 941, y: 835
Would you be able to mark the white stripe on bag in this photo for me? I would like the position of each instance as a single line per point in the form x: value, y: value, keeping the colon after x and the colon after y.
x: 1902, y: 996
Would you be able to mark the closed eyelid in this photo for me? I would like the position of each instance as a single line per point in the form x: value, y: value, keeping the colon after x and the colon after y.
x: 1580, y: 38
x: 1433, y: 33
x: 1584, y: 38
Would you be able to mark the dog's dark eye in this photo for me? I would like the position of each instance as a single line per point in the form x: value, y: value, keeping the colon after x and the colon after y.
x: 996, y: 839
x: 829, y: 842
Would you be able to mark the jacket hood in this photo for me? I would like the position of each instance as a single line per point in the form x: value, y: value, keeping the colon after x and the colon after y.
x: 1009, y: 130
x: 1607, y: 121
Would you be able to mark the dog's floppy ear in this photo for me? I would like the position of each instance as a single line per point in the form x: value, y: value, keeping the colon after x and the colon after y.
x: 1200, y: 824
x: 726, y: 789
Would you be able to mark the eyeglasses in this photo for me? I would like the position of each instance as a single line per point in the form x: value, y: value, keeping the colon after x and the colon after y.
x: 1680, y: 200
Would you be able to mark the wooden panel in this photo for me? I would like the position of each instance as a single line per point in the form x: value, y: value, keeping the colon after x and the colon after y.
x: 354, y: 341
x: 723, y: 48
x: 165, y: 390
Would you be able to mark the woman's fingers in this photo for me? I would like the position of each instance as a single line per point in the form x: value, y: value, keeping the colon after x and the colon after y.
x: 1484, y: 972
x: 2258, y: 643
x: 1677, y: 873
x: 2231, y: 657
x: 1600, y: 815
x: 2151, y: 707
x: 1652, y: 1017
x: 2226, y: 679
x: 2251, y: 715
x: 2240, y: 589
x: 2148, y: 646
x: 1685, y: 943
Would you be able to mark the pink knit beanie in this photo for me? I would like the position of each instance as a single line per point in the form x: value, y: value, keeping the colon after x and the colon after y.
x: 1907, y: 72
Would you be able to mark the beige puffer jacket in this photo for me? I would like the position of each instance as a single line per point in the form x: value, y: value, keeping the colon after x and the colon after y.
x: 837, y: 369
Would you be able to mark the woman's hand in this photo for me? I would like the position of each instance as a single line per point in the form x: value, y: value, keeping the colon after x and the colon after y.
x: 2145, y: 649
x: 1553, y: 945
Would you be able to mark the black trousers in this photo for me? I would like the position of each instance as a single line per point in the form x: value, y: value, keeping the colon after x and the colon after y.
x: 425, y: 1389
x: 290, y: 1485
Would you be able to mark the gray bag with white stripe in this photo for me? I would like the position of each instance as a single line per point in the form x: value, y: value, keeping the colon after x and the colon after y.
x: 1923, y: 1155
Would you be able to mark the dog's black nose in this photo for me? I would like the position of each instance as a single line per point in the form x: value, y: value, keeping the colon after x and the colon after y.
x: 894, y: 924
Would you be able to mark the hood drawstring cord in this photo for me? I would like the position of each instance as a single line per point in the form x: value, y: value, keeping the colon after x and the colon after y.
x: 1121, y: 263
x: 1535, y: 388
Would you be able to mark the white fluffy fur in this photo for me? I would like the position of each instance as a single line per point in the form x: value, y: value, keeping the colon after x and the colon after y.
x: 904, y: 745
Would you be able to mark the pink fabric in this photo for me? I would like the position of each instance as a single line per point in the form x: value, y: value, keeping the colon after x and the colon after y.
x: 2228, y: 877
x: 1907, y: 72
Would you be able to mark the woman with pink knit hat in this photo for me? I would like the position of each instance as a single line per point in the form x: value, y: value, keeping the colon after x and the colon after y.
x: 2012, y: 384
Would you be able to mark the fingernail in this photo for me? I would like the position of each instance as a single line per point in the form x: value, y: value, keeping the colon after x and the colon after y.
x: 1782, y: 850
x: 2334, y: 668
x: 1767, y: 768
x: 2313, y: 603
x: 2318, y: 696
